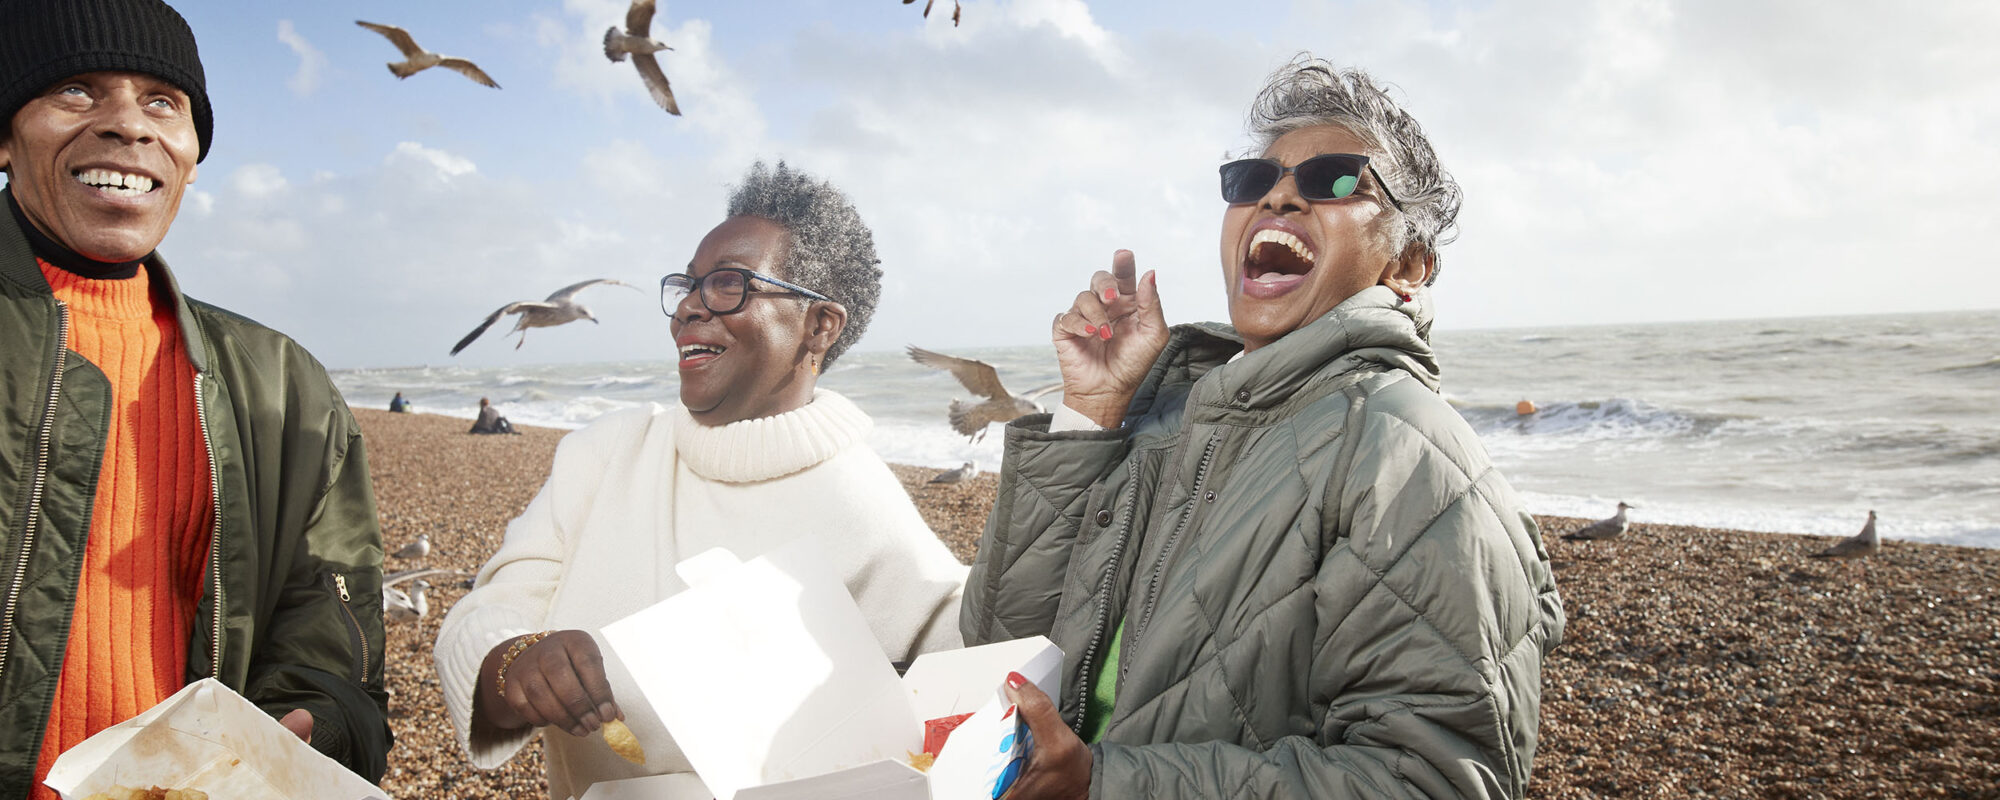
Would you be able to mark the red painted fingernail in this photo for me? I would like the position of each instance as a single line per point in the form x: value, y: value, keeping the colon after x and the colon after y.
x: 1110, y: 295
x: 1104, y: 332
x: 1152, y: 279
x: 1090, y: 329
x: 1015, y: 681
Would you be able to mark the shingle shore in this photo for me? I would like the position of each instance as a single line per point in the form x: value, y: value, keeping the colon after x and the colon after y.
x: 1697, y: 661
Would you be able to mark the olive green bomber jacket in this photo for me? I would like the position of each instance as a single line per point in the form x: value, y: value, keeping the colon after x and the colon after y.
x: 1326, y: 588
x: 291, y: 613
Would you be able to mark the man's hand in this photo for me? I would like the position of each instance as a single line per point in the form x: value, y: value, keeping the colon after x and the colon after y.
x: 1059, y: 767
x: 1108, y: 339
x: 300, y: 722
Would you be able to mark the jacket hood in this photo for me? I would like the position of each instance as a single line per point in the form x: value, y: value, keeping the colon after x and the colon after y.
x: 1373, y: 327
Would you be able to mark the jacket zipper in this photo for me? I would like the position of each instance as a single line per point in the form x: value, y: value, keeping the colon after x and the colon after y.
x: 40, y: 482
x: 1104, y: 591
x: 1167, y: 550
x: 215, y: 530
x: 339, y: 582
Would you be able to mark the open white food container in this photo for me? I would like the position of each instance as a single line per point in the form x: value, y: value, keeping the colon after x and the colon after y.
x: 771, y: 682
x: 209, y: 738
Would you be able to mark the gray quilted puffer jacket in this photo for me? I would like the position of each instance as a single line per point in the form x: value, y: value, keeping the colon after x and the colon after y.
x: 1326, y: 587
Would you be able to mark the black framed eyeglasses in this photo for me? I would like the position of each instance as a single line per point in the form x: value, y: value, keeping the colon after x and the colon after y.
x: 1330, y: 176
x: 723, y: 291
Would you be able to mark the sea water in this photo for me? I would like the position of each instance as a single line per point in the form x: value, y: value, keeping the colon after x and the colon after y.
x: 1790, y: 425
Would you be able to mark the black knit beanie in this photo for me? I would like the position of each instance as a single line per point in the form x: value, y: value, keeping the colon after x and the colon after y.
x: 45, y: 41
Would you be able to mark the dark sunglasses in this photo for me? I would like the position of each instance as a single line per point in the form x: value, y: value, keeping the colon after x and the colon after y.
x: 1323, y: 177
x: 723, y: 291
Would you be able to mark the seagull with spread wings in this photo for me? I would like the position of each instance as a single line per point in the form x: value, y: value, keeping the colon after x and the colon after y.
x: 560, y: 308
x: 981, y: 379
x: 416, y: 59
x: 636, y: 41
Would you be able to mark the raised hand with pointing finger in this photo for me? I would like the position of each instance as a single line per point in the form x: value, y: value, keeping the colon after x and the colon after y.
x: 1108, y: 339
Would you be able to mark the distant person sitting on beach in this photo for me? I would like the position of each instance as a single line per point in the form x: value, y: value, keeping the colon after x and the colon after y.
x: 754, y: 456
x: 183, y: 488
x: 1277, y: 561
x: 490, y: 421
x: 398, y: 405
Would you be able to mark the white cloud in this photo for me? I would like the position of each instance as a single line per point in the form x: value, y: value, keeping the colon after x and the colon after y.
x: 437, y: 163
x: 258, y: 181
x: 312, y: 62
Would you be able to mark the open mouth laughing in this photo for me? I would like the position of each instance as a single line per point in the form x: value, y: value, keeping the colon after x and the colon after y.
x: 1277, y: 261
x: 695, y: 354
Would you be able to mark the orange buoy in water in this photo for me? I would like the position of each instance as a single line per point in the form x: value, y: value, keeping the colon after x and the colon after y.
x: 1525, y: 408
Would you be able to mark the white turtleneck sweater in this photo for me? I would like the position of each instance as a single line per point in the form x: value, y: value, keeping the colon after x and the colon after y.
x: 637, y: 491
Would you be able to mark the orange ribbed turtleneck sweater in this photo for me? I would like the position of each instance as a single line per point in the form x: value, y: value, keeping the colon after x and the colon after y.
x: 149, y: 527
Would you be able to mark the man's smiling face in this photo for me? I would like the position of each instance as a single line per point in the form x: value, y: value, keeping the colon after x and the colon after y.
x: 100, y: 162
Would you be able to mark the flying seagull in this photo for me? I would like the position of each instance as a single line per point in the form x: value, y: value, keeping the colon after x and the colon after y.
x: 636, y: 42
x: 980, y: 378
x: 416, y: 59
x: 955, y: 9
x: 1611, y: 528
x: 561, y: 307
x: 417, y: 549
x: 955, y: 475
x: 1856, y: 546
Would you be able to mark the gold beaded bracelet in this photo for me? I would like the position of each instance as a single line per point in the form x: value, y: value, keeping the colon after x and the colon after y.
x: 507, y: 659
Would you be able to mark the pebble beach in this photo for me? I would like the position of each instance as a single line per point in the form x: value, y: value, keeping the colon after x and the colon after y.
x: 1696, y: 661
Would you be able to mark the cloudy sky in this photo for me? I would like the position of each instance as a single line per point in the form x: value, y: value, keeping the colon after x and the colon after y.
x: 1625, y: 160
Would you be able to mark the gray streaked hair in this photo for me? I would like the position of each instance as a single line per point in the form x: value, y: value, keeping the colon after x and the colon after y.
x: 1309, y: 92
x: 832, y: 251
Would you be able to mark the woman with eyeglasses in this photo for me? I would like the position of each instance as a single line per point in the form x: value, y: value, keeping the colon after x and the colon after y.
x: 753, y: 457
x: 1277, y: 561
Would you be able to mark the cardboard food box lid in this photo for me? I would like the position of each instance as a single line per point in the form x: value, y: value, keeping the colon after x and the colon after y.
x: 774, y: 686
x: 209, y: 738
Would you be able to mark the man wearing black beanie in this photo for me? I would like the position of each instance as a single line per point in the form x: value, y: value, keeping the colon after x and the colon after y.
x: 183, y: 494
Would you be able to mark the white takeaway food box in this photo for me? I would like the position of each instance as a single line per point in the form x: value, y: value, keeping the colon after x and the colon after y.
x: 770, y: 680
x: 209, y: 738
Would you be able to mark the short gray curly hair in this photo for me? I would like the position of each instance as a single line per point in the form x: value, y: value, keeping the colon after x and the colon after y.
x: 832, y: 250
x: 1310, y: 92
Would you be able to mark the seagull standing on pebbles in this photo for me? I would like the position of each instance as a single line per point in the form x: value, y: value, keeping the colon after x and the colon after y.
x: 416, y: 59
x: 1856, y: 546
x: 981, y: 379
x: 1611, y: 528
x: 637, y: 41
x: 559, y: 308
x: 400, y: 608
x: 417, y: 549
x: 956, y: 475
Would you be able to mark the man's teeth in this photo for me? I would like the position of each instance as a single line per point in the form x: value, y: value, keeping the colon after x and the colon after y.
x: 1275, y: 236
x: 692, y: 350
x: 115, y: 182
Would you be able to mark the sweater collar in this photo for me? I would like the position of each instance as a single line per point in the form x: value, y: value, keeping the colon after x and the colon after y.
x: 56, y: 254
x: 770, y: 447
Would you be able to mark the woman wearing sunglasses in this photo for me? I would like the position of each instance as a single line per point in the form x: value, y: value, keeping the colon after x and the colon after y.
x: 1278, y: 563
x: 753, y: 457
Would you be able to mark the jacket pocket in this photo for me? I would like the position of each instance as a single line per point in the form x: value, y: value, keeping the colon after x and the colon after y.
x: 357, y: 642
